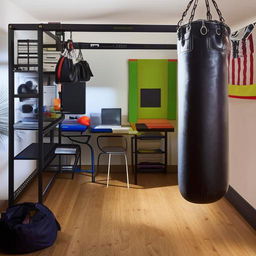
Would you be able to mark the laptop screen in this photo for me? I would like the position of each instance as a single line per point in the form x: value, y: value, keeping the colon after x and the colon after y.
x: 111, y: 116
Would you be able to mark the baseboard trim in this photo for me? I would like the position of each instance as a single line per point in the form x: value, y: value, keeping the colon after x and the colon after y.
x: 242, y: 206
x: 121, y: 168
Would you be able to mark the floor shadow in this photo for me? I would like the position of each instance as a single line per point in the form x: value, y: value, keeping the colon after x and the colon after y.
x: 144, y: 180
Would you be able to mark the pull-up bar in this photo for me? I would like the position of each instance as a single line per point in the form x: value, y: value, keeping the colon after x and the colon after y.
x: 107, y: 46
x: 96, y: 27
x: 47, y: 28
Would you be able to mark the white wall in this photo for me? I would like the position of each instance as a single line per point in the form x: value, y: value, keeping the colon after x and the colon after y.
x: 242, y: 146
x: 10, y: 13
x: 109, y: 86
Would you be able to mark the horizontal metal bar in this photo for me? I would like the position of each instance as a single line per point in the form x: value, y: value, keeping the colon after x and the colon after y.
x: 123, y: 46
x: 23, y: 186
x: 53, y: 124
x: 24, y: 26
x: 50, y: 34
x: 96, y: 27
x: 50, y: 183
x: 26, y: 95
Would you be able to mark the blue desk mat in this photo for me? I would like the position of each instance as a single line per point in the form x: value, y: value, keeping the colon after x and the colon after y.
x: 73, y: 127
x: 95, y: 130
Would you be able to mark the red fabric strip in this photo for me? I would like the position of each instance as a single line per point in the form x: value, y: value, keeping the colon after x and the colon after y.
x: 233, y: 71
x: 251, y: 68
x: 239, y: 70
x: 243, y: 97
x: 251, y: 44
x: 245, y: 62
x: 229, y: 56
x: 60, y: 68
x: 251, y: 58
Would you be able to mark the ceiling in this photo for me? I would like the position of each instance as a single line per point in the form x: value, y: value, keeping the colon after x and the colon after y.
x: 132, y: 11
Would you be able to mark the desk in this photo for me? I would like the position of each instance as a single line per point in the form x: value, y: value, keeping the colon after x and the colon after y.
x: 150, y: 132
x: 76, y: 133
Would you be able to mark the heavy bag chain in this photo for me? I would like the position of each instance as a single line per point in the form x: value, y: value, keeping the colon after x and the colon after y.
x: 209, y: 15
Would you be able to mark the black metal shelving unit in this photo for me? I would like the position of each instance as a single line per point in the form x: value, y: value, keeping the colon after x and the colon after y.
x: 136, y: 151
x: 41, y: 152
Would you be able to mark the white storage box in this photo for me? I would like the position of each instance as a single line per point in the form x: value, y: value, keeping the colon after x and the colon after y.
x: 49, y: 67
x: 51, y: 56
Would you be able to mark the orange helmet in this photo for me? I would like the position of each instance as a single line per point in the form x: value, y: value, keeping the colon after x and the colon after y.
x: 84, y: 120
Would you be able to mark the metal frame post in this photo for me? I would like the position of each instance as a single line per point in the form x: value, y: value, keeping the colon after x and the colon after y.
x: 40, y: 113
x: 11, y: 115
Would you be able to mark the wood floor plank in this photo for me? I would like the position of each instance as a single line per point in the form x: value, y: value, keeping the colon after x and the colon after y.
x: 150, y: 219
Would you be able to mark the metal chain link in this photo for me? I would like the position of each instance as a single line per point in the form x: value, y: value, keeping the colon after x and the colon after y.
x: 193, y: 12
x: 218, y: 11
x: 209, y: 15
x: 185, y: 13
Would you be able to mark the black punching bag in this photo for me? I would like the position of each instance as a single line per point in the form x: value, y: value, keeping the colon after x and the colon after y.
x: 203, y: 48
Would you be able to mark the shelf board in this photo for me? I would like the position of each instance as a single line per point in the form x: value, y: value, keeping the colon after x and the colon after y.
x: 49, y: 124
x: 32, y: 151
x: 34, y: 71
x: 26, y: 95
x: 151, y: 170
x: 21, y: 53
x: 27, y: 41
x: 156, y: 136
x: 150, y: 151
x: 151, y: 165
x: 26, y: 65
x: 65, y: 149
x: 49, y: 72
x: 20, y: 126
x: 25, y: 71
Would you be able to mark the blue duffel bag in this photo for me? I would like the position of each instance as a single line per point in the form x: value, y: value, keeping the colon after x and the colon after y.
x: 27, y: 227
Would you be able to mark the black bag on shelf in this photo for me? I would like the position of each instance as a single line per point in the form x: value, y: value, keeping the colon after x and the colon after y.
x: 83, y: 69
x: 27, y: 227
x: 68, y: 72
x: 65, y: 70
x: 203, y: 48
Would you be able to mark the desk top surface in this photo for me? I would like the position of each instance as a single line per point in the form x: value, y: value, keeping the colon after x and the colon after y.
x: 146, y: 125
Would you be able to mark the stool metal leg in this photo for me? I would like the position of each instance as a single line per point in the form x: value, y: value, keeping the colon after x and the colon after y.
x: 127, y: 171
x: 109, y: 162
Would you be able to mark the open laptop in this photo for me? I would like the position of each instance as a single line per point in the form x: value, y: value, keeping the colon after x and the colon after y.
x: 110, y: 118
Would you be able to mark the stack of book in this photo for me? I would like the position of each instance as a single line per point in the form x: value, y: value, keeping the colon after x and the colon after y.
x: 27, y: 55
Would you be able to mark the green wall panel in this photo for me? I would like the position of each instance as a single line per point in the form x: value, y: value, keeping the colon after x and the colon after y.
x: 172, y: 90
x: 153, y: 74
x: 132, y: 96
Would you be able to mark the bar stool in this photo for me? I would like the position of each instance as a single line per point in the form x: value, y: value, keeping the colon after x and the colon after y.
x: 113, y: 150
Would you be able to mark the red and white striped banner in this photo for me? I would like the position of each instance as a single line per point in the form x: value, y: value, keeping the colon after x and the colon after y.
x: 242, y: 62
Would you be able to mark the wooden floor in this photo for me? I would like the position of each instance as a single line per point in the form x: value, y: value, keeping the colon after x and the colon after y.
x: 151, y: 219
